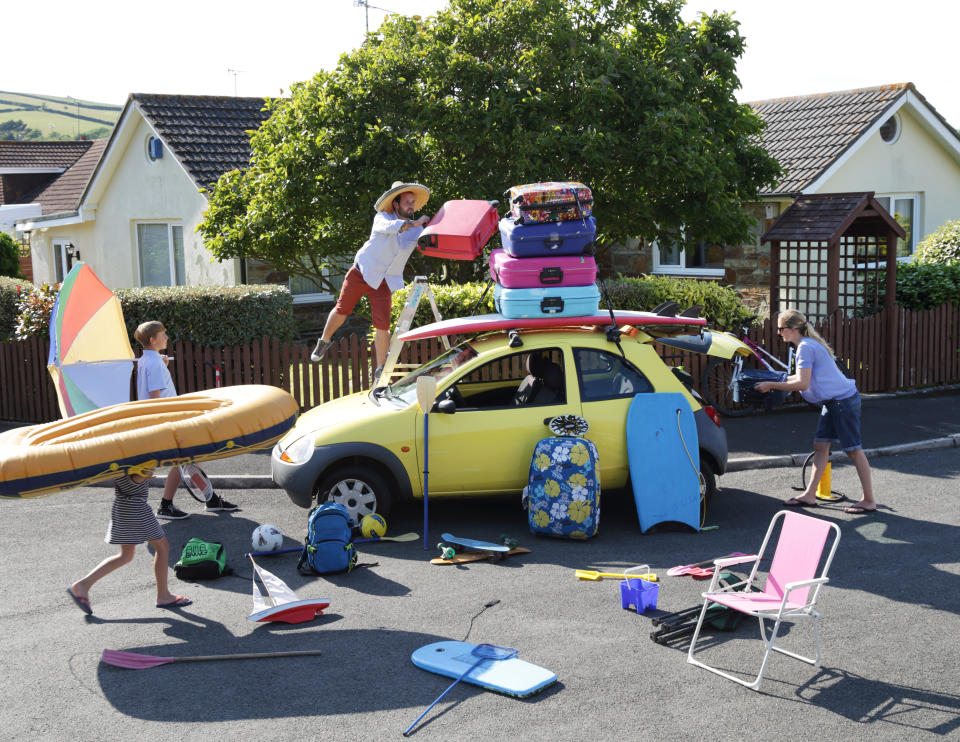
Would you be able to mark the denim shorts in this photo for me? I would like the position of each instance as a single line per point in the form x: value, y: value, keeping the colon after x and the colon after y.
x: 840, y: 421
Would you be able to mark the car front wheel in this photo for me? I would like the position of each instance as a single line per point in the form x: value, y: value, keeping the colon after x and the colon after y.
x: 360, y: 490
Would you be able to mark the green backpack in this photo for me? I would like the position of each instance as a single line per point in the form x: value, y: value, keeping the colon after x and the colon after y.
x: 202, y: 560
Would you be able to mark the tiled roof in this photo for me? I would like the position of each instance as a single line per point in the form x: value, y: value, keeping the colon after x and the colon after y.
x: 63, y: 193
x: 52, y: 155
x: 207, y: 133
x: 807, y: 133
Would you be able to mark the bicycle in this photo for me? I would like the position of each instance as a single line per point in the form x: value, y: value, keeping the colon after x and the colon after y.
x: 719, y: 383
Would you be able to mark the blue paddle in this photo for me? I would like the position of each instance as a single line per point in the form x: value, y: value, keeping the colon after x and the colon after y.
x: 426, y: 394
x: 482, y: 652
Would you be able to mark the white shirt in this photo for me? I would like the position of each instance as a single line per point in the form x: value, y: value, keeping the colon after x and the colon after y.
x: 384, y: 255
x: 153, y: 374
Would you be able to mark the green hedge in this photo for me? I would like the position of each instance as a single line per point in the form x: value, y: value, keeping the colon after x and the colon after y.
x: 212, y: 315
x: 10, y: 291
x: 721, y: 306
x: 927, y: 285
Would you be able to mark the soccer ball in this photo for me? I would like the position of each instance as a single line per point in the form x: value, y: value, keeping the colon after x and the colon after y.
x: 267, y: 538
x: 373, y: 525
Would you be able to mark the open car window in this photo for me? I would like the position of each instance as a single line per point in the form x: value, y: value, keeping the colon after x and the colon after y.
x: 604, y: 375
x: 508, y: 382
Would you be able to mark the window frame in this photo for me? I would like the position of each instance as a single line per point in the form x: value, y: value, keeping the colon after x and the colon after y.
x: 893, y: 197
x: 171, y: 251
x: 681, y: 268
x: 58, y: 246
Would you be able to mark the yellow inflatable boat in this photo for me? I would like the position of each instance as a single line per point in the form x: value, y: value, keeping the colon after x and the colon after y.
x: 108, y: 442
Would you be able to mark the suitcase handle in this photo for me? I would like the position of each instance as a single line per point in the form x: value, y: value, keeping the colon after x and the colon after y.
x: 552, y: 275
x: 553, y: 243
x: 551, y: 304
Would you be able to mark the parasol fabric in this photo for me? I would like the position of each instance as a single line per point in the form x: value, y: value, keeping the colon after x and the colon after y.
x: 90, y: 356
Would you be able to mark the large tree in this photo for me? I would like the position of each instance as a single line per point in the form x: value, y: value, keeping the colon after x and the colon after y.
x: 620, y: 94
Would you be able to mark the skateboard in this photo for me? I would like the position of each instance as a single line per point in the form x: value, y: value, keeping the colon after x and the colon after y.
x: 478, y: 556
x: 472, y: 550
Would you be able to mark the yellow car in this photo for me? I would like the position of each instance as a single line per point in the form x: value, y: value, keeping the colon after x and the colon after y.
x: 366, y: 450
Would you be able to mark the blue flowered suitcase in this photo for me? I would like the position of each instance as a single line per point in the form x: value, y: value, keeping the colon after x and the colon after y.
x: 563, y: 492
x: 556, y: 301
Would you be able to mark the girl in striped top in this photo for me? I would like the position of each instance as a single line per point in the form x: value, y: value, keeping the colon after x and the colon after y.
x: 132, y: 522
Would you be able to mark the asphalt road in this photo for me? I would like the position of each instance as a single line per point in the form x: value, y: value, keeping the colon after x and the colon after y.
x: 891, y: 618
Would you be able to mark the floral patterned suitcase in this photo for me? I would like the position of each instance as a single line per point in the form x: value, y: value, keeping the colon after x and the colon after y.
x: 563, y: 493
x: 554, y: 201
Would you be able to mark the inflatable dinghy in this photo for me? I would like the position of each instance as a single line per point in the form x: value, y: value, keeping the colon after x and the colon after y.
x: 108, y: 442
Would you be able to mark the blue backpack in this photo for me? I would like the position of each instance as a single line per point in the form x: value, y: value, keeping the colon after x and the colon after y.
x: 329, y: 546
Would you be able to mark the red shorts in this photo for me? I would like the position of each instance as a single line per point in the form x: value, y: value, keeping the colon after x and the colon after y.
x: 354, y: 287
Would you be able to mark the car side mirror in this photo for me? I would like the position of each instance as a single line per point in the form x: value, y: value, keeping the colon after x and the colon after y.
x: 446, y: 406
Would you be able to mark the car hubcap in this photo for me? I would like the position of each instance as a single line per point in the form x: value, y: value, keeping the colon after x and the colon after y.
x: 356, y: 496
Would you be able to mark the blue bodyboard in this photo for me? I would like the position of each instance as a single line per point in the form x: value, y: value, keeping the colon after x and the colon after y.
x: 514, y: 677
x: 472, y: 543
x: 666, y: 485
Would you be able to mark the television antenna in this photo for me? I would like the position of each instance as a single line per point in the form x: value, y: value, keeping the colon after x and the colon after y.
x: 234, y: 73
x: 365, y: 4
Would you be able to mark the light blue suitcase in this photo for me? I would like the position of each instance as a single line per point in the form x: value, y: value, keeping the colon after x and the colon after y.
x: 554, y: 301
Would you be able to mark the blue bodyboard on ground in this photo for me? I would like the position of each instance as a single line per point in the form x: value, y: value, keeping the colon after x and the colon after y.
x: 514, y: 677
x: 472, y: 543
x: 666, y: 485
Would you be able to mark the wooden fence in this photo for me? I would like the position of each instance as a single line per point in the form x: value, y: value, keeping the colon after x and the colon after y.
x: 929, y: 355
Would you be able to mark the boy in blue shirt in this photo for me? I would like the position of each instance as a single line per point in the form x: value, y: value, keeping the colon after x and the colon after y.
x: 154, y: 381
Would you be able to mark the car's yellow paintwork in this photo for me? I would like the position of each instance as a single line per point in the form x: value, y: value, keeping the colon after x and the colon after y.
x: 487, y: 451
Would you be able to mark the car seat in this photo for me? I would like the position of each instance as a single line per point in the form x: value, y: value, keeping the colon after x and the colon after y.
x: 543, y: 383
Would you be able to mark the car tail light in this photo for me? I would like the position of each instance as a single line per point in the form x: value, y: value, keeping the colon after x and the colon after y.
x: 713, y: 415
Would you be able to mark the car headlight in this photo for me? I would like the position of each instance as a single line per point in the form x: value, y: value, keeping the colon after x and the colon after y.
x: 298, y: 451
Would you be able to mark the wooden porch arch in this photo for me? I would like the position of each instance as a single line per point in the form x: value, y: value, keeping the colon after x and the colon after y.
x: 826, y: 252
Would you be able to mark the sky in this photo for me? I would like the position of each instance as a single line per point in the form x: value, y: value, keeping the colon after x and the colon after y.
x: 102, y: 50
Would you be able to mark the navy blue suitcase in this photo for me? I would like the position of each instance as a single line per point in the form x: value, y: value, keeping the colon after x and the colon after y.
x: 551, y: 238
x: 555, y: 301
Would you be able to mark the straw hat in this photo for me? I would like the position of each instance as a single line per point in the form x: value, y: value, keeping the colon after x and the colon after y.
x: 421, y: 195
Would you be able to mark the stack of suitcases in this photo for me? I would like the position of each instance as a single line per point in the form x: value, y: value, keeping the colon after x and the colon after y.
x: 546, y: 266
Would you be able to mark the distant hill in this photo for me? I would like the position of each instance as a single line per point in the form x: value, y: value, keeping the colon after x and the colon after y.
x: 47, y: 117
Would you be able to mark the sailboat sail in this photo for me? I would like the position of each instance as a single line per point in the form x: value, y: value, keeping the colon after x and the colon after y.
x: 275, y: 601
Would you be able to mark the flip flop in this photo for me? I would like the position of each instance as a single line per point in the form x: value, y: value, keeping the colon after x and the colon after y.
x: 859, y: 510
x: 181, y: 601
x: 793, y: 502
x: 82, y: 603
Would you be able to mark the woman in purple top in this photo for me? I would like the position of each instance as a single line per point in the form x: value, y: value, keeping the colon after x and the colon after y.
x: 820, y: 382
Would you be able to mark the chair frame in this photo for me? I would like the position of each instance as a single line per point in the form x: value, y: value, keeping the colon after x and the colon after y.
x: 778, y: 615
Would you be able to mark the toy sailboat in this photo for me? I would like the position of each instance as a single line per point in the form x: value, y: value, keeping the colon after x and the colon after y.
x: 280, y: 603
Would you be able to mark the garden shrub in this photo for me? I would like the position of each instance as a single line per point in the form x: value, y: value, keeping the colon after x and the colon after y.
x: 721, y: 305
x: 9, y: 256
x: 33, y: 311
x: 11, y: 289
x: 218, y: 316
x: 927, y: 285
x: 941, y: 246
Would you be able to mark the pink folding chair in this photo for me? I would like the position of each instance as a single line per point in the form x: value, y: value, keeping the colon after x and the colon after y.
x: 791, y: 590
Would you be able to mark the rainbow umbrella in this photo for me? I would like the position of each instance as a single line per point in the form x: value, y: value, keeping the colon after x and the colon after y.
x: 90, y: 356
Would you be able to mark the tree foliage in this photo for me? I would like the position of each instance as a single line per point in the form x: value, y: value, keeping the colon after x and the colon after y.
x: 620, y: 94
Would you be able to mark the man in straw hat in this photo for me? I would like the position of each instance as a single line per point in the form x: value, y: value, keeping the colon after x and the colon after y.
x: 377, y: 269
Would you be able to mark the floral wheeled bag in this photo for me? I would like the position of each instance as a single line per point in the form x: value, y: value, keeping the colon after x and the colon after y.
x: 563, y: 490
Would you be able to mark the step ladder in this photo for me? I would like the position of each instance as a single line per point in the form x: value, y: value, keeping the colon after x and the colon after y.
x: 391, y: 367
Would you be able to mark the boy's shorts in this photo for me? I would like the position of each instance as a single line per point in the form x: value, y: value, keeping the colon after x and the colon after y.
x: 840, y: 421
x: 354, y: 287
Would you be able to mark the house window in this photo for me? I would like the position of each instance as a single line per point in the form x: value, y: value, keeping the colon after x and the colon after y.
x: 903, y: 208
x: 60, y: 267
x: 160, y: 252
x: 701, y: 259
x: 890, y: 131
x: 302, y: 290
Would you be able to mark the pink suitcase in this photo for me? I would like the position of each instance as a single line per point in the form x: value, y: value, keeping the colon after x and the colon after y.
x: 459, y: 230
x: 550, y: 270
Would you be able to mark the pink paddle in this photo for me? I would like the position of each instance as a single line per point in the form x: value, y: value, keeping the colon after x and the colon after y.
x: 696, y: 570
x: 134, y: 661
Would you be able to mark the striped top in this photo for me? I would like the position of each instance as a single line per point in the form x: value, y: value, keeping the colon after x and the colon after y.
x: 131, y: 519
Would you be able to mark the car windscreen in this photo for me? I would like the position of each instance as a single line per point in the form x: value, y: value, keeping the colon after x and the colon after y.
x: 404, y: 391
